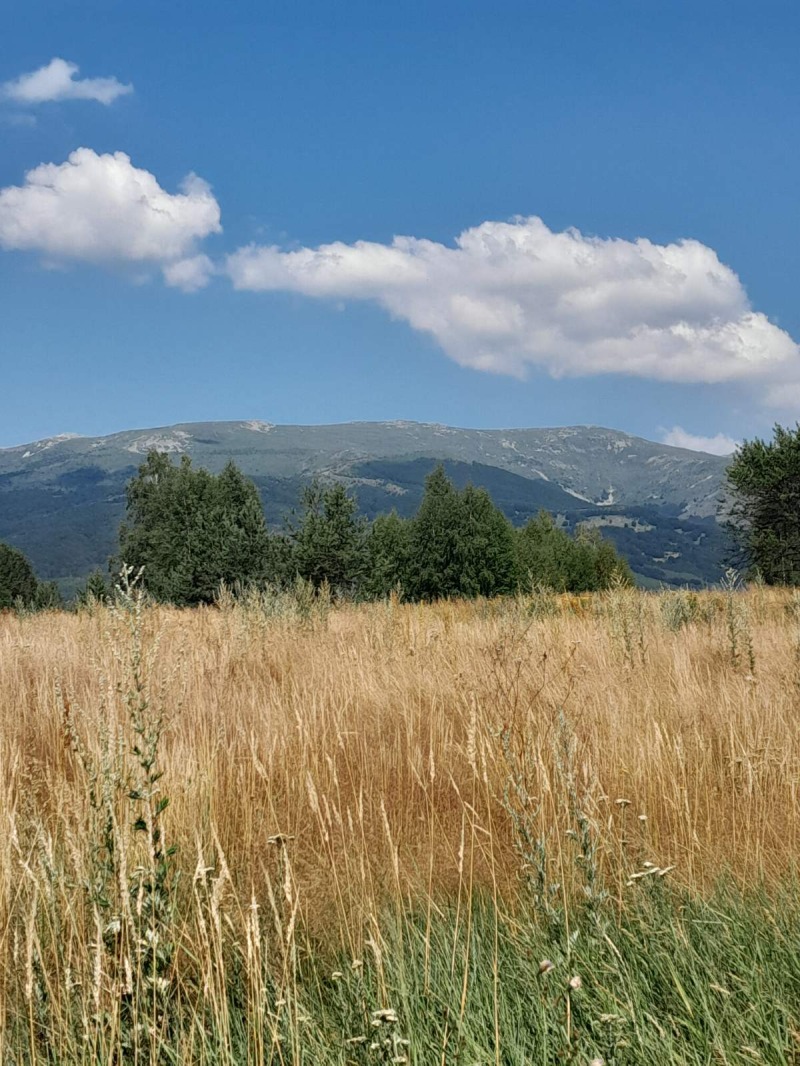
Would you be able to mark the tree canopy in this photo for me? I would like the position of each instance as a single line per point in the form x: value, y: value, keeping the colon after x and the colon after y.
x: 548, y: 556
x: 329, y: 542
x: 19, y: 586
x: 764, y: 479
x: 18, y: 582
x: 191, y: 531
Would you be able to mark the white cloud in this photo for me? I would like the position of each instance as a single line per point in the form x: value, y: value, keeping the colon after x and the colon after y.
x: 720, y: 444
x: 510, y: 296
x: 57, y: 81
x: 102, y: 208
x: 189, y: 274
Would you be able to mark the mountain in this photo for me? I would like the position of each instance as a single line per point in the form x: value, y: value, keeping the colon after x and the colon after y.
x: 61, y: 499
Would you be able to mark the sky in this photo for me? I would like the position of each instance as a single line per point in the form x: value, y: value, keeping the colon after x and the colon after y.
x: 487, y: 215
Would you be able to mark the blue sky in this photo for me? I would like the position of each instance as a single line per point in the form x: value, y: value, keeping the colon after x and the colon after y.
x: 549, y: 161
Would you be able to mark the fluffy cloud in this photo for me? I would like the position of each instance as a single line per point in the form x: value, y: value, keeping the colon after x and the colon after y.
x: 509, y: 296
x: 720, y: 444
x: 102, y: 208
x: 190, y: 274
x: 57, y: 81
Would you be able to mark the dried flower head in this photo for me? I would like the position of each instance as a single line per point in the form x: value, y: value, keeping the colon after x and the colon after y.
x: 280, y: 840
x: 575, y: 983
x: 387, y: 1016
x: 545, y: 966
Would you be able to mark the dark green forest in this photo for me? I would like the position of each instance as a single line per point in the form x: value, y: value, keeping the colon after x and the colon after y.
x: 190, y: 532
x: 460, y: 529
x: 71, y: 530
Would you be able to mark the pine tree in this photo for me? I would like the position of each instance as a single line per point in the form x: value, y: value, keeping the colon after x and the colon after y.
x: 329, y: 539
x: 95, y: 590
x: 245, y: 552
x: 388, y: 546
x: 486, y: 547
x: 435, y: 548
x: 18, y: 582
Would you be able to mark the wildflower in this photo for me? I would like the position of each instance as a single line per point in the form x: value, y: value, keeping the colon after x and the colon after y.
x: 597, y: 1061
x: 623, y: 803
x: 545, y: 966
x: 642, y: 817
x: 387, y: 1016
x: 575, y: 983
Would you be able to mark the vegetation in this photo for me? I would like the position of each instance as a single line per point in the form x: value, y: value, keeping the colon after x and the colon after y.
x: 553, y: 559
x: 464, y: 832
x: 19, y: 586
x: 190, y: 532
x: 68, y: 528
x: 765, y: 480
x: 328, y: 544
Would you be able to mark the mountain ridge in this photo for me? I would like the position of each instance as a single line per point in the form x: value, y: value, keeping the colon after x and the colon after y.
x: 61, y: 498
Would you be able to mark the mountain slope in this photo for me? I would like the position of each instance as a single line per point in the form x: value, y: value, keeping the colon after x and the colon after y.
x: 61, y: 499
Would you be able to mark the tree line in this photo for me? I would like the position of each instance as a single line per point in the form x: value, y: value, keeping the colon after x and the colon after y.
x: 191, y: 532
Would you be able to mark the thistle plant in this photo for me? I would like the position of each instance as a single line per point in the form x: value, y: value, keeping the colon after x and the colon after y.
x: 130, y: 888
x: 626, y: 612
x: 678, y: 609
x: 737, y: 622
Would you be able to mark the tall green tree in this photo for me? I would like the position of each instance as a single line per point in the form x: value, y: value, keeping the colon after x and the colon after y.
x: 544, y: 554
x: 548, y: 556
x: 435, y: 556
x: 18, y: 583
x: 191, y: 530
x: 764, y: 480
x: 329, y: 539
x: 486, y: 546
x: 388, y: 552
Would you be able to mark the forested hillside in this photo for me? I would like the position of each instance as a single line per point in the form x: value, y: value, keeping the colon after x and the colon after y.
x: 61, y: 500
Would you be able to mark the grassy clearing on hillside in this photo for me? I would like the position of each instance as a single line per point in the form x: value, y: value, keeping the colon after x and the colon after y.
x: 543, y: 830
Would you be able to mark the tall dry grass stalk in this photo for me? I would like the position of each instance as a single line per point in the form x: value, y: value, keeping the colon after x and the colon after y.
x: 323, y: 765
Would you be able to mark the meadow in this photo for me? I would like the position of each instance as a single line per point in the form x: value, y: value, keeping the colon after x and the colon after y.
x: 546, y: 829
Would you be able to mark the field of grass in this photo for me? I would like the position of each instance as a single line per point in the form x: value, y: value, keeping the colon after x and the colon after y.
x: 542, y: 830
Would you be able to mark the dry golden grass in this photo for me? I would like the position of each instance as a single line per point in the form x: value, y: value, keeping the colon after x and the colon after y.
x: 381, y: 738
x: 325, y: 765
